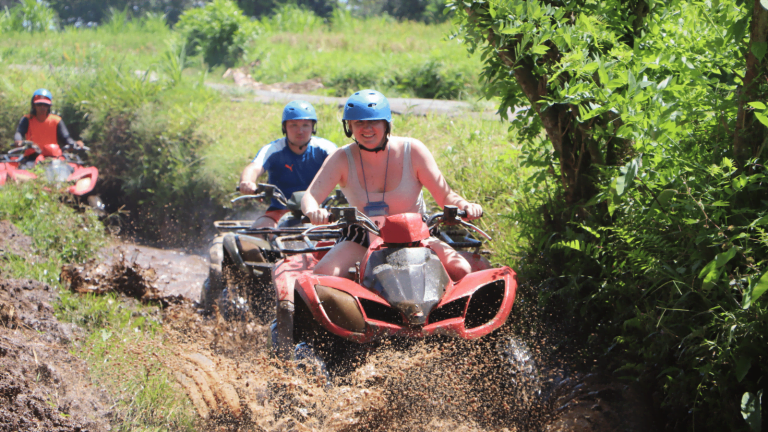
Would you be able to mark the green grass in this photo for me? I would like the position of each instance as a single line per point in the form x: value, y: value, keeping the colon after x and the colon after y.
x: 59, y: 233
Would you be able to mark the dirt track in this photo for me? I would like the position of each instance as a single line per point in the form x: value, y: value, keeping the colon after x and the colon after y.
x: 236, y: 384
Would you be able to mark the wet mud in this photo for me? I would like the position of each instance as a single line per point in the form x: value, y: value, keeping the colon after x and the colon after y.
x: 235, y: 382
x: 42, y: 386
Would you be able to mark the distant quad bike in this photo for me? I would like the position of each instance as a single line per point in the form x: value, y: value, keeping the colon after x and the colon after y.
x: 60, y: 167
x: 400, y: 289
x: 241, y: 258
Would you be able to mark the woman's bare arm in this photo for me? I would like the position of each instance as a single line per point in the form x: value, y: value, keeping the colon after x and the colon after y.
x: 432, y: 178
x: 332, y: 173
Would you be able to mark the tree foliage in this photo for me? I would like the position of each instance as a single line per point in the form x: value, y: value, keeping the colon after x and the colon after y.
x: 220, y: 31
x: 655, y: 126
x: 429, y: 11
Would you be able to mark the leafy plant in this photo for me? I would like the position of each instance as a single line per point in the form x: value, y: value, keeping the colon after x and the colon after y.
x: 31, y: 16
x: 219, y: 31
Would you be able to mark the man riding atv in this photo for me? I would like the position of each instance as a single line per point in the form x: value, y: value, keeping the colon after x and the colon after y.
x: 46, y: 130
x: 291, y: 163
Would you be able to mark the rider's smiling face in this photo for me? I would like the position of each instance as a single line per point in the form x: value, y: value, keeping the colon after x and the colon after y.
x: 299, y: 132
x: 369, y: 133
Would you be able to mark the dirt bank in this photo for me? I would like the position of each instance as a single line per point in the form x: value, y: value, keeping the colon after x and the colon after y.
x: 42, y: 386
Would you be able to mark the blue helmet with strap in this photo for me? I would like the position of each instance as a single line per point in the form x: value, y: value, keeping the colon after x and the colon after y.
x: 366, y: 105
x: 299, y: 110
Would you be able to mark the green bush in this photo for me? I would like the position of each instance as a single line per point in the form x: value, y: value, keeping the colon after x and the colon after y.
x: 29, y: 16
x: 219, y: 31
x: 433, y: 80
x: 293, y: 19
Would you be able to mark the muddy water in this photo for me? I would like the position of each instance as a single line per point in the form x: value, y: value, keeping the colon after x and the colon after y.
x: 179, y: 272
x: 236, y: 384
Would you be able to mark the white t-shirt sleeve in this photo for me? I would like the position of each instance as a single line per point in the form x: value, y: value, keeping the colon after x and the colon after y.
x: 262, y: 157
x: 324, y: 144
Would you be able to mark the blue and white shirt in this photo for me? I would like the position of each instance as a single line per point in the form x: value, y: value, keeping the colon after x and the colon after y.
x: 291, y: 172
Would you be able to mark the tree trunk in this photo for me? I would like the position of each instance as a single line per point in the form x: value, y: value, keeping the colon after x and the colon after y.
x: 749, y: 133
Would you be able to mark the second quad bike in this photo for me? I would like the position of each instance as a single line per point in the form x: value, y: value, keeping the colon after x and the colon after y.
x: 242, y: 258
x: 400, y: 289
x: 61, y: 166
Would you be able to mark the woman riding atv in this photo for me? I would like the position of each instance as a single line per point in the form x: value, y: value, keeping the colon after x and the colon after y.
x: 46, y: 130
x: 362, y: 171
x: 291, y: 162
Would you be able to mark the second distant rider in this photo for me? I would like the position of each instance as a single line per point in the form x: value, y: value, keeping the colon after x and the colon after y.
x: 291, y: 162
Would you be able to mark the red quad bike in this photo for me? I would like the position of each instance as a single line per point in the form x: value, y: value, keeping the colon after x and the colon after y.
x: 59, y: 167
x: 400, y: 290
x: 241, y: 258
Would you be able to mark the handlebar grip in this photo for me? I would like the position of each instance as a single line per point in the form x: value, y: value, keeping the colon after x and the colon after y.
x: 237, y: 188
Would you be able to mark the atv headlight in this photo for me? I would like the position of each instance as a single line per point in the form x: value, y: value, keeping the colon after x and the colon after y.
x: 342, y: 309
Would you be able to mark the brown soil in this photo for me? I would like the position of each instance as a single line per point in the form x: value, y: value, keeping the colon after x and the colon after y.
x: 236, y: 384
x: 13, y: 240
x: 42, y: 386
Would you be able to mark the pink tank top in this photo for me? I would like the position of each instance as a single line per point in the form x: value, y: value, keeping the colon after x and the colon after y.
x: 407, y: 197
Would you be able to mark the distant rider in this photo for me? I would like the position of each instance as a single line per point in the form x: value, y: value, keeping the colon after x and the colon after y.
x: 291, y: 162
x: 46, y: 130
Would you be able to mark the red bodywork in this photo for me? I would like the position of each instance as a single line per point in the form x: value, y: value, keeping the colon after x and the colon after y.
x: 83, y: 179
x: 294, y: 275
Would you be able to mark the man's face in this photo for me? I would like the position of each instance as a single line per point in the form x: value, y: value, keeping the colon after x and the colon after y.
x: 299, y: 131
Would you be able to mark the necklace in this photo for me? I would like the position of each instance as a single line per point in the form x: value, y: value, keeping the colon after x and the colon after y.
x: 377, y: 208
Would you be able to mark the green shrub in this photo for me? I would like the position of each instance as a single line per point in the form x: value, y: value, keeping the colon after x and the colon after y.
x: 433, y: 80
x: 219, y: 31
x: 293, y: 19
x: 29, y: 16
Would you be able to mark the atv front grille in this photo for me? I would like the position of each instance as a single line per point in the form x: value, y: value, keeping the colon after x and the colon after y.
x: 484, y: 304
x: 380, y: 312
x: 454, y: 309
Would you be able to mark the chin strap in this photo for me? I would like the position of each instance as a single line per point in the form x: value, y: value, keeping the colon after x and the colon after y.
x: 294, y: 145
x: 375, y: 150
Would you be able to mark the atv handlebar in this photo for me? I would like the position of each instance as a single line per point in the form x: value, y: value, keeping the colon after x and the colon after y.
x: 341, y: 217
x: 264, y: 191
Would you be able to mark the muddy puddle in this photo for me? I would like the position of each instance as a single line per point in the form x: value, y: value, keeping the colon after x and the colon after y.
x: 236, y: 384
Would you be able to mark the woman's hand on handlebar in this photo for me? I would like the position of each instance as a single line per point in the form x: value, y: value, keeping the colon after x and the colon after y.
x: 17, y: 143
x: 318, y: 217
x: 473, y: 210
x: 247, y: 188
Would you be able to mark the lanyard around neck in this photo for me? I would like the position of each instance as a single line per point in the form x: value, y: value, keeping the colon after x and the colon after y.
x: 365, y: 182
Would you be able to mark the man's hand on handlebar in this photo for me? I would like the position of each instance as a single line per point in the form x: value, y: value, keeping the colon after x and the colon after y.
x: 17, y: 143
x: 473, y: 210
x: 318, y: 217
x: 247, y: 188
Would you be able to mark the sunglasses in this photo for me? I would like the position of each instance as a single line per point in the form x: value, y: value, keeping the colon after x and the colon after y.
x: 41, y: 104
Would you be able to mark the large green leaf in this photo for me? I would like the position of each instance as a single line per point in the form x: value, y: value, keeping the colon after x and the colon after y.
x: 750, y: 409
x: 760, y: 287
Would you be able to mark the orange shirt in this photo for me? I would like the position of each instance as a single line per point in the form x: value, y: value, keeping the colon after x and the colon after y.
x: 44, y: 134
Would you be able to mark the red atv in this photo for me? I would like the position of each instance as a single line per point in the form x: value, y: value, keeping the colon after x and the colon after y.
x: 59, y: 167
x: 400, y: 290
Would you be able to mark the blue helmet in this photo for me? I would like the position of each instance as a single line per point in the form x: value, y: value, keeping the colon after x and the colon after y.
x: 299, y: 110
x: 42, y: 96
x: 367, y: 105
